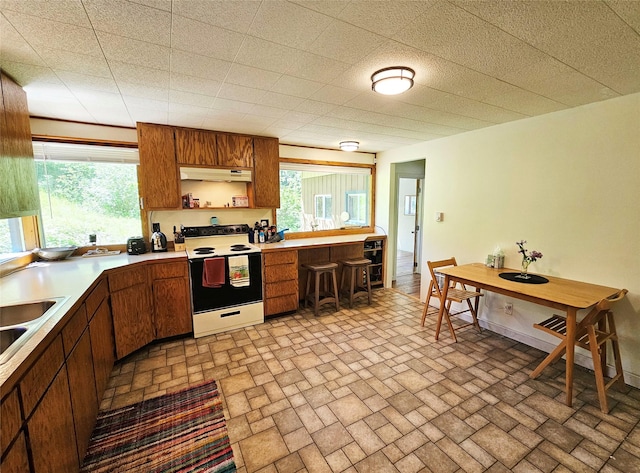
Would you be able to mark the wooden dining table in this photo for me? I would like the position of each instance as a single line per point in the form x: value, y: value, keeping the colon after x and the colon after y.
x: 561, y: 294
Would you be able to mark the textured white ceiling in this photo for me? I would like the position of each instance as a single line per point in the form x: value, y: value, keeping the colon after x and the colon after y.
x: 300, y: 70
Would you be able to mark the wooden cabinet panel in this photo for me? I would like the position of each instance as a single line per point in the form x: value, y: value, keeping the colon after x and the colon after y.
x: 235, y: 151
x: 278, y: 289
x: 102, y: 346
x: 279, y: 257
x: 93, y: 300
x: 265, y: 187
x: 127, y: 277
x: 10, y: 418
x: 158, y: 171
x: 196, y: 147
x: 19, y: 196
x: 169, y: 270
x: 280, y: 272
x: 35, y: 382
x: 84, y: 401
x: 74, y: 328
x: 51, y: 430
x: 131, y: 310
x: 17, y: 141
x: 16, y: 459
x: 278, y: 305
x: 132, y: 319
x: 172, y: 305
x: 280, y: 282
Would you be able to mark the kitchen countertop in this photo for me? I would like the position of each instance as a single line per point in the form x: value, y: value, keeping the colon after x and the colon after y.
x: 70, y: 278
x: 304, y: 243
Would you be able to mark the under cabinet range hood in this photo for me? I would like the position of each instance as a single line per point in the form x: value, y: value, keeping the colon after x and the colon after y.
x: 220, y: 175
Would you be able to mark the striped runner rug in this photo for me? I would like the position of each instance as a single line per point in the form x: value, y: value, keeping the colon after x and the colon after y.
x: 179, y: 432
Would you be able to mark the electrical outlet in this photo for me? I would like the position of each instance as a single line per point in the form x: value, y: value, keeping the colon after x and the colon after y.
x: 508, y: 308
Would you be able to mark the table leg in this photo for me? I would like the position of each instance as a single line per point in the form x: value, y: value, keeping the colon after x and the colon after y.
x: 571, y: 346
x: 443, y: 301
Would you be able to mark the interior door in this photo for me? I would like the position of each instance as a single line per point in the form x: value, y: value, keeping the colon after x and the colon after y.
x: 417, y: 247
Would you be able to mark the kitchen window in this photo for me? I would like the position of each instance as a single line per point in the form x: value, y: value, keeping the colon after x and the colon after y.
x: 84, y: 190
x: 315, y: 197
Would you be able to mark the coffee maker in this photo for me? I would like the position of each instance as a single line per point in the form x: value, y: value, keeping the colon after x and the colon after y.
x: 158, y: 240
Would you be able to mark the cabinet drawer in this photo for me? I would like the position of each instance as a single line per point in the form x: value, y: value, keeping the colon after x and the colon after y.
x: 74, y: 328
x: 37, y: 380
x: 277, y: 289
x: 11, y: 419
x: 94, y: 299
x: 281, y: 304
x: 169, y: 270
x: 280, y: 272
x: 280, y: 257
x: 127, y: 278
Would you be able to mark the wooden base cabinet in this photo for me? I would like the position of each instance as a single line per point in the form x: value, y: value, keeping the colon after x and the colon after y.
x: 171, y: 299
x: 16, y: 459
x: 101, y: 334
x: 280, y: 282
x: 82, y: 383
x: 131, y: 309
x: 46, y: 403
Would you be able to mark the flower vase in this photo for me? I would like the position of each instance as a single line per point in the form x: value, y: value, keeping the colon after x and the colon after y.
x: 525, y: 268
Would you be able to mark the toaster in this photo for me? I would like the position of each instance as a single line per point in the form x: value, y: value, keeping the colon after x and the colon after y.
x: 136, y: 246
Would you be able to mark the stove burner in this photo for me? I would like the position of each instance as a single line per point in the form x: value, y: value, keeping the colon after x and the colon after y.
x: 204, y: 250
x: 240, y: 248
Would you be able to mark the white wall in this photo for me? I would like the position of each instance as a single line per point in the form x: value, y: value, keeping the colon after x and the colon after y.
x: 568, y: 182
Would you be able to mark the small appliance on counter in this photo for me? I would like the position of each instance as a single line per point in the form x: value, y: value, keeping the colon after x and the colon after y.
x: 158, y: 240
x: 178, y: 241
x: 136, y: 245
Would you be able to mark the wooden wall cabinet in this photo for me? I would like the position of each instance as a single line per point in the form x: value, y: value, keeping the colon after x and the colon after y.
x: 158, y: 174
x: 234, y: 151
x: 265, y: 187
x: 171, y: 299
x: 19, y: 190
x: 196, y: 147
x: 131, y: 309
x: 280, y: 282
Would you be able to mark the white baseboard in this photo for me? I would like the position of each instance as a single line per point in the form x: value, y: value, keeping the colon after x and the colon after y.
x: 580, y: 359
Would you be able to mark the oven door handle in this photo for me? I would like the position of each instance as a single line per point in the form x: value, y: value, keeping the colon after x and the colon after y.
x: 229, y: 314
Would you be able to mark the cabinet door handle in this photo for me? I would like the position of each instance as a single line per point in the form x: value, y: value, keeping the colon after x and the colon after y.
x: 142, y: 202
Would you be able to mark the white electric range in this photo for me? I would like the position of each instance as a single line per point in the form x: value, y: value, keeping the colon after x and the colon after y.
x: 225, y: 273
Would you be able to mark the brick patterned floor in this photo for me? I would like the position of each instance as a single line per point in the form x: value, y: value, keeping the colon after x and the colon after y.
x: 369, y: 390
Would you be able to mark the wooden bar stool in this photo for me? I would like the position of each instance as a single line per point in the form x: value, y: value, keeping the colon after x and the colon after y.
x: 330, y: 293
x: 358, y: 270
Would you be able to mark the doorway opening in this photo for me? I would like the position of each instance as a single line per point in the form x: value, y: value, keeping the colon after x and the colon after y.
x: 408, y: 234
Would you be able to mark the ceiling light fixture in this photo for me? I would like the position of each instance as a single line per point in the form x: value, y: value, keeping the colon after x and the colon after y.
x: 392, y: 80
x: 349, y: 145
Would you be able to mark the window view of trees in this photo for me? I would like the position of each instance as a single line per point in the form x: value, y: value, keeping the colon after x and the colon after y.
x: 82, y: 198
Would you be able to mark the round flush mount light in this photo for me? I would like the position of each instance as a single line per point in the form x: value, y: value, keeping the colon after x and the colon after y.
x: 349, y: 145
x: 392, y: 80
